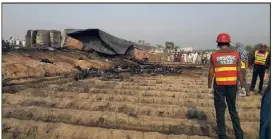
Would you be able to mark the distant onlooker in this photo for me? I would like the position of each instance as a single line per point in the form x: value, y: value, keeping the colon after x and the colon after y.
x: 11, y: 41
x: 182, y: 58
x: 3, y: 43
x: 7, y: 43
x: 190, y: 57
x: 17, y: 42
x: 208, y: 56
x: 172, y: 57
x: 194, y: 57
x: 185, y: 57
x: 204, y: 58
x: 169, y: 58
x: 24, y: 43
x: 199, y: 58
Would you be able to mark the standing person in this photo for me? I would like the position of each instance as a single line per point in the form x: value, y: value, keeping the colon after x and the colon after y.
x: 7, y: 43
x: 203, y: 58
x: 185, y: 57
x: 259, y: 60
x: 225, y: 66
x: 198, y: 58
x: 265, y: 114
x: 189, y: 57
x: 208, y: 57
x: 169, y: 58
x: 172, y: 57
x: 182, y: 60
x: 244, y: 62
x: 194, y: 57
x: 4, y: 43
x: 17, y: 42
x: 201, y: 55
x: 11, y: 43
x: 176, y: 57
x: 24, y: 43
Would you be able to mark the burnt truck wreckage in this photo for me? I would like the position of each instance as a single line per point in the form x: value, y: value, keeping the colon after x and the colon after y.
x: 103, y: 44
x: 48, y: 38
x: 91, y: 40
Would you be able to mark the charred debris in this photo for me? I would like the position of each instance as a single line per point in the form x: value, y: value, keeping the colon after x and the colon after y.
x: 132, y: 68
x: 122, y: 66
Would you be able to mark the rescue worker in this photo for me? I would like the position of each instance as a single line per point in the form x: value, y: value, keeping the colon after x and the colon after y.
x: 259, y: 60
x: 225, y: 66
x: 244, y: 62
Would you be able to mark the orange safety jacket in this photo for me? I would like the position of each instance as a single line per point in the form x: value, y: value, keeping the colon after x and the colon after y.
x: 260, y: 58
x: 225, y: 67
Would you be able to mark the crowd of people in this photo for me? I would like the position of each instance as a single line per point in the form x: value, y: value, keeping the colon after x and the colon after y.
x: 190, y: 57
x: 13, y: 42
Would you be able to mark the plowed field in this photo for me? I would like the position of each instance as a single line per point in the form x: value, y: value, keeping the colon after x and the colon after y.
x: 138, y: 107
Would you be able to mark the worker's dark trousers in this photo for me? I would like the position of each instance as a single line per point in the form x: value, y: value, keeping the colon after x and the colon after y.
x: 221, y: 94
x: 257, y: 71
x: 265, y: 120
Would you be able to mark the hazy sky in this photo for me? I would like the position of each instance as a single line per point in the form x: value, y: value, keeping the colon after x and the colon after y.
x: 194, y: 25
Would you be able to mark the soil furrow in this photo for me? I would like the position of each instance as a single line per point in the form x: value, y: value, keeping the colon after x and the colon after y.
x: 30, y: 129
x: 182, y: 112
x: 120, y: 121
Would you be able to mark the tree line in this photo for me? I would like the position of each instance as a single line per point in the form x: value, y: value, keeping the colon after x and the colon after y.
x: 171, y: 46
x: 249, y: 48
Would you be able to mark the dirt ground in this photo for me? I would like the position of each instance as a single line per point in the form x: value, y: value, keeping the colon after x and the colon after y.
x: 137, y: 107
x: 27, y: 64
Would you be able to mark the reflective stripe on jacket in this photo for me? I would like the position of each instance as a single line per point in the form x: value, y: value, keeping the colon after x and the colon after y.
x: 260, y: 58
x: 225, y: 64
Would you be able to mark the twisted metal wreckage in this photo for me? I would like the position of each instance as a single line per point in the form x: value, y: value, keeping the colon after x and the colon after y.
x: 104, y: 44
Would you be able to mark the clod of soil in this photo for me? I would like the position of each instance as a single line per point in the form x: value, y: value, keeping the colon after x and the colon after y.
x: 196, y: 114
